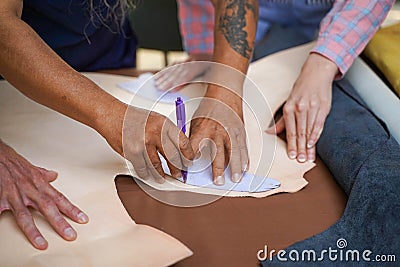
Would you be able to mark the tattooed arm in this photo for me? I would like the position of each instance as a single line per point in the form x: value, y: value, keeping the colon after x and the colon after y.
x: 235, y: 29
x: 219, y: 118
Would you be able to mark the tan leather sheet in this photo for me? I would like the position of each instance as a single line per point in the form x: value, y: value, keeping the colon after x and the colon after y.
x: 87, y: 167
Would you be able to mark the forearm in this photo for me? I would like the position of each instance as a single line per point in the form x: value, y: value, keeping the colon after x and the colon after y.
x: 234, y: 35
x: 39, y: 73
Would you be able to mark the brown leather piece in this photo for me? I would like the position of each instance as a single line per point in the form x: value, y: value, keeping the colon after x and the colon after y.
x: 230, y: 231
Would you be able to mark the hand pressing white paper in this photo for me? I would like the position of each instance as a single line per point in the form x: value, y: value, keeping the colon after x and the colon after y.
x: 200, y: 174
x: 144, y: 86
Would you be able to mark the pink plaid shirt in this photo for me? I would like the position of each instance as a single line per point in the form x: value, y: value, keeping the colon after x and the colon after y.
x: 344, y: 32
x: 197, y: 25
x: 348, y: 27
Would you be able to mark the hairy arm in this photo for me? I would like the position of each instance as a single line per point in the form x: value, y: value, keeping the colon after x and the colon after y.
x: 38, y: 72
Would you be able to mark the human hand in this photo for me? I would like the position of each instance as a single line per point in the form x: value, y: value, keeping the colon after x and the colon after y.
x: 221, y: 122
x: 179, y: 74
x: 307, y: 107
x: 24, y: 185
x: 147, y: 133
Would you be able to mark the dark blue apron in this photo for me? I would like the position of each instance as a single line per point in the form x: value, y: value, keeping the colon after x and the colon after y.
x: 84, y: 43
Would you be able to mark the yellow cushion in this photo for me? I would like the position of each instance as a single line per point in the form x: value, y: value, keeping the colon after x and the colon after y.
x: 384, y: 51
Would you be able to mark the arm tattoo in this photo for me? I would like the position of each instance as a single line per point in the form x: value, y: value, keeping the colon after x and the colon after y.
x: 232, y: 22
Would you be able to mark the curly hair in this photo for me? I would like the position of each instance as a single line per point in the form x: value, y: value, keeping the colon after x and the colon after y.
x: 110, y: 12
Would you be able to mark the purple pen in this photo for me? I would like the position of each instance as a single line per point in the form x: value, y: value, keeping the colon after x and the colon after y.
x: 181, y: 122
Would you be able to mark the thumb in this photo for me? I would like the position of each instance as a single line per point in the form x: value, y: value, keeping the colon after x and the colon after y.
x: 48, y: 175
x: 277, y: 128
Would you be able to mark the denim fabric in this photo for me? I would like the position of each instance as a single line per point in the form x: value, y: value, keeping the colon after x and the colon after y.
x: 363, y: 158
x: 279, y: 38
x: 287, y: 23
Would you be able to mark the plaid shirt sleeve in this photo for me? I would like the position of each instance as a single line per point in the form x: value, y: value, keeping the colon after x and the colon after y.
x: 348, y: 27
x: 196, y: 18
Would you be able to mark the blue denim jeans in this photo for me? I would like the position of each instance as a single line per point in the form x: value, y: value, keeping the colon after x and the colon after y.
x: 278, y: 38
x: 287, y: 23
x: 365, y: 160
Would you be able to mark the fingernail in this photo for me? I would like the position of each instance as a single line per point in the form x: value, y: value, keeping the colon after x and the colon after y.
x: 158, y: 82
x: 245, y: 167
x: 301, y: 158
x: 40, y: 241
x: 69, y: 233
x: 310, y: 144
x: 270, y: 128
x: 219, y: 180
x: 53, y: 172
x: 189, y: 164
x: 162, y: 86
x: 292, y: 154
x: 178, y: 175
x: 236, y: 177
x: 160, y: 181
x: 83, y: 218
x: 197, y: 156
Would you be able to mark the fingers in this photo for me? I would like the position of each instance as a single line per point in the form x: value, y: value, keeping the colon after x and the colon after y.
x: 218, y: 162
x: 22, y: 185
x: 301, y: 123
x: 311, y: 116
x: 291, y: 132
x: 278, y: 128
x: 172, y: 77
x: 234, y: 153
x: 304, y: 125
x: 25, y: 222
x: 173, y: 158
x: 244, y: 154
x: 195, y: 140
x: 311, y: 154
x: 160, y: 135
x: 50, y: 203
x: 177, y: 150
x: 175, y: 172
x: 139, y: 164
x: 155, y: 165
x: 48, y: 175
x: 50, y: 210
x: 175, y: 77
x: 67, y: 208
x: 47, y: 206
x: 11, y: 199
x: 183, y: 144
x: 317, y: 128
